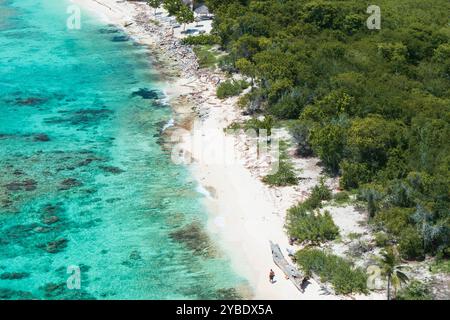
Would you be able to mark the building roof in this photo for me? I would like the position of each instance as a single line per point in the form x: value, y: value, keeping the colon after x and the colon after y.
x: 202, y: 10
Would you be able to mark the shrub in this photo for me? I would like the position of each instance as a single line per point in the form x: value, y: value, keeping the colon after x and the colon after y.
x: 381, y: 239
x: 286, y: 174
x: 305, y: 224
x: 354, y: 235
x: 415, y: 290
x: 410, y: 244
x: 372, y: 194
x: 318, y: 194
x: 288, y: 107
x: 440, y: 265
x: 206, y: 58
x: 353, y: 174
x: 311, y: 226
x: 341, y: 197
x: 202, y: 39
x: 231, y: 88
x: 394, y: 220
x: 330, y: 268
x: 301, y: 132
x: 321, y: 191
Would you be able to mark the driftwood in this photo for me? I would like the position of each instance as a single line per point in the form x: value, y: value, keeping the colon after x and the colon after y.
x: 292, y: 273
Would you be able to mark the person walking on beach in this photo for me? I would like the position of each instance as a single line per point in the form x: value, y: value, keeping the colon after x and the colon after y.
x: 271, y: 276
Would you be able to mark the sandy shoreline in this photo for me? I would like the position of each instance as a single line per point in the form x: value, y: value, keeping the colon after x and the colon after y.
x: 245, y: 214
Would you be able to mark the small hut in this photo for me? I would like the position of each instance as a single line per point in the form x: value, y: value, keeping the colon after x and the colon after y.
x: 189, y: 3
x: 202, y: 12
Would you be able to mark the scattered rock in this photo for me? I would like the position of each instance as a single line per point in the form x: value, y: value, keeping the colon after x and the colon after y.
x: 121, y: 38
x: 25, y: 185
x: 135, y: 255
x: 8, y: 294
x: 54, y: 246
x: 18, y: 172
x: 194, y: 237
x: 30, y: 101
x: 41, y: 137
x: 69, y: 184
x: 41, y: 229
x: 111, y: 169
x: 14, y: 275
x: 146, y: 94
x: 88, y: 161
x: 227, y: 294
x: 50, y: 219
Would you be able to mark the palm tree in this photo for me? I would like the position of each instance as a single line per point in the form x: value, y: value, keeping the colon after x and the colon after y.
x: 392, y: 270
x: 430, y: 233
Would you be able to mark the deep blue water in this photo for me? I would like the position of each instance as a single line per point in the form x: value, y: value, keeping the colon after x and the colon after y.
x: 84, y: 180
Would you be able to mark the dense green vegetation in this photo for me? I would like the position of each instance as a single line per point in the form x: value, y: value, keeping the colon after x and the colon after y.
x: 206, y: 58
x: 374, y: 105
x: 285, y: 174
x: 202, y: 39
x: 330, y: 268
x: 415, y: 290
x: 440, y: 265
x: 306, y: 223
x: 231, y: 88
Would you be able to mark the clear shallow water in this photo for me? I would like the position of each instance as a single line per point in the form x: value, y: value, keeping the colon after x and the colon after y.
x: 83, y: 178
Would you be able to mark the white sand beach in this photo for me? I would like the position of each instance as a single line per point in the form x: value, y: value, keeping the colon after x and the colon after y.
x: 245, y: 214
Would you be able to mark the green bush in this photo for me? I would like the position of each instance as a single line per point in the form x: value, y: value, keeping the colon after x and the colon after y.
x: 330, y: 268
x: 206, y: 58
x: 394, y: 220
x: 321, y: 191
x: 341, y: 197
x: 353, y: 174
x: 381, y: 239
x: 318, y: 194
x: 301, y: 131
x: 441, y: 265
x: 305, y: 224
x: 410, y: 244
x: 202, y: 39
x: 415, y: 290
x: 231, y: 88
x: 311, y: 226
x: 288, y: 107
x: 286, y: 174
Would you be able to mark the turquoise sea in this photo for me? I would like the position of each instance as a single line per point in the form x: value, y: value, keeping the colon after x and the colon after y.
x: 84, y: 180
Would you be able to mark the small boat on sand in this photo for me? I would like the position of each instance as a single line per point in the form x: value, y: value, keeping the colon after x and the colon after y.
x: 290, y: 271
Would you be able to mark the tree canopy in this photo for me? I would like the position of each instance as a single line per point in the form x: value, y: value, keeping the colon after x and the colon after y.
x: 374, y: 105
